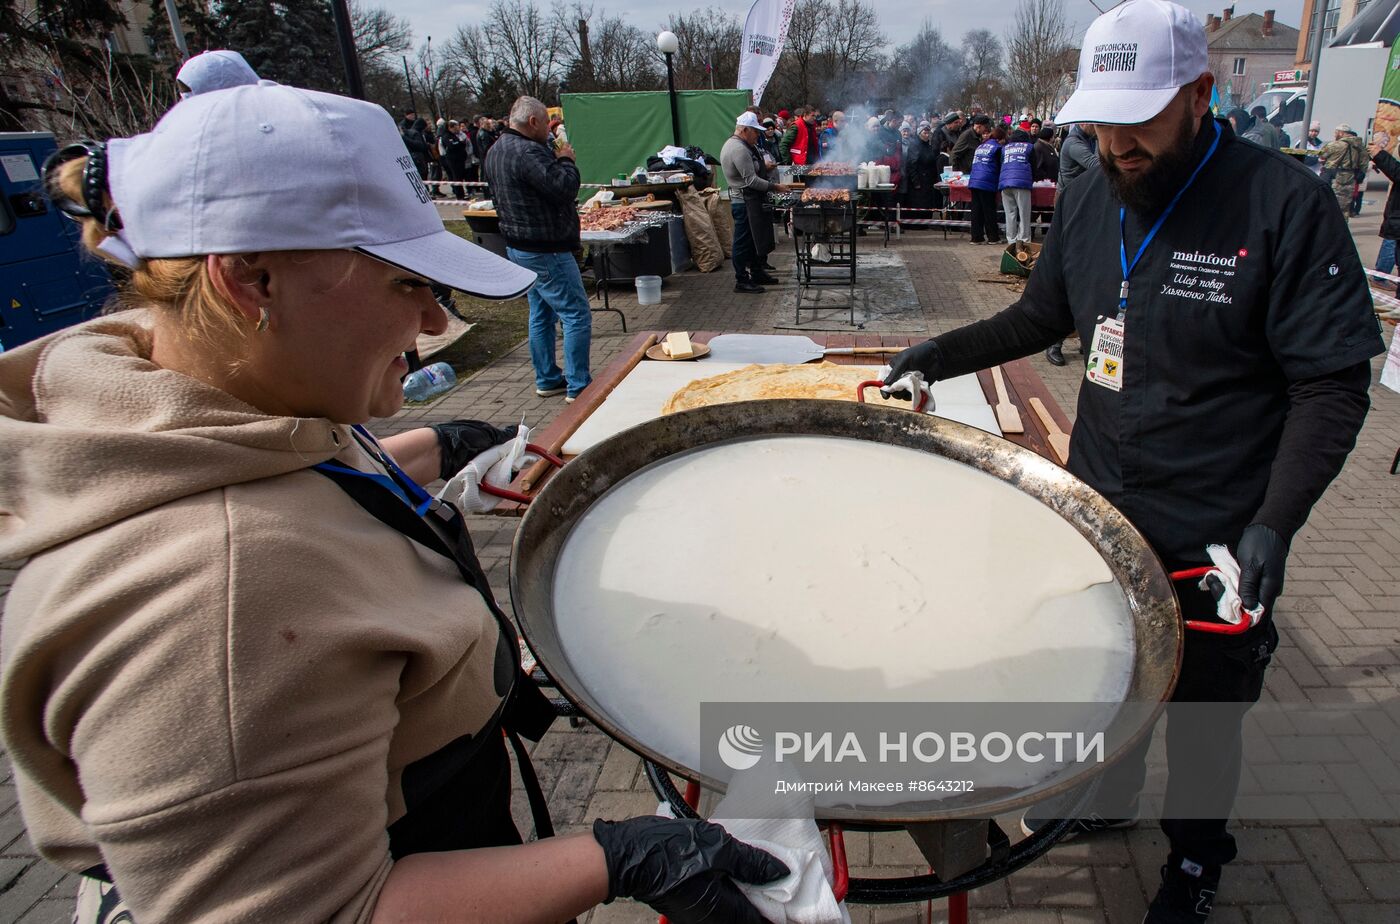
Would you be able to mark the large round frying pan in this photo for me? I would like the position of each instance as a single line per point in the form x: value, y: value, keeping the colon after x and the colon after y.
x: 1155, y: 612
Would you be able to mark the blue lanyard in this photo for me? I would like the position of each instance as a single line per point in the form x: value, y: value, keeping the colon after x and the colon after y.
x: 397, y: 481
x: 1122, y: 223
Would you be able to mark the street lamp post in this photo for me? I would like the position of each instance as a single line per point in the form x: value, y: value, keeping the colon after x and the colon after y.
x: 668, y: 44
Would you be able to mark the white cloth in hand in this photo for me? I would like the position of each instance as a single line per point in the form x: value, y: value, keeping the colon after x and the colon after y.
x: 496, y: 466
x: 1229, y: 608
x: 804, y: 896
x: 912, y: 383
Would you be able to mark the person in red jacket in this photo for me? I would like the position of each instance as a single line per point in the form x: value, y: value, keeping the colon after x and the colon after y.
x: 797, y: 140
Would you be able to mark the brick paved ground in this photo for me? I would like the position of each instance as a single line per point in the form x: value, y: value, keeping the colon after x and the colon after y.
x: 1341, y: 642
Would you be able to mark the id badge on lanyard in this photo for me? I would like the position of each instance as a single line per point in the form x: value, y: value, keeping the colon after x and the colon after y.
x: 1105, y: 363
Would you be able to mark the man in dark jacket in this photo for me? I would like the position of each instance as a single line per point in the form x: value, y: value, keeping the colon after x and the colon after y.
x: 416, y: 140
x: 923, y: 163
x: 1234, y: 398
x: 456, y: 153
x: 1045, y: 160
x: 948, y: 131
x: 1390, y: 223
x: 484, y: 136
x: 968, y: 141
x: 536, y: 193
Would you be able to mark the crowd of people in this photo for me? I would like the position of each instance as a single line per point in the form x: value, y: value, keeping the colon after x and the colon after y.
x: 917, y: 149
x: 456, y: 150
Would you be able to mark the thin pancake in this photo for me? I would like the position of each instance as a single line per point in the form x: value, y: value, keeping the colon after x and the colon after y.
x: 759, y: 382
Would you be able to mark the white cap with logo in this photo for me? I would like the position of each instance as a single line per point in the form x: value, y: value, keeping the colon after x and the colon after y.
x: 748, y: 120
x: 1135, y: 59
x: 237, y: 171
x: 215, y: 70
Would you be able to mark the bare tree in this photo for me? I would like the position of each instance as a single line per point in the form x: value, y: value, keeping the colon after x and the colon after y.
x: 380, y: 36
x: 470, y: 55
x: 1036, y: 48
x: 527, y: 46
x: 851, y: 44
x: 606, y: 53
x: 447, y: 92
x: 574, y: 24
x: 101, y: 94
x: 624, y: 57
x: 981, y: 57
x: 710, y: 40
x: 923, y: 73
x: 797, y: 74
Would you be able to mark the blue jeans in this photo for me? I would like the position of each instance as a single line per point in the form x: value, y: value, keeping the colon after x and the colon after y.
x: 1385, y: 260
x: 557, y: 296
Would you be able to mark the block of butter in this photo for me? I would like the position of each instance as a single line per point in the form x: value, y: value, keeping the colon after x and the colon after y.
x: 677, y: 346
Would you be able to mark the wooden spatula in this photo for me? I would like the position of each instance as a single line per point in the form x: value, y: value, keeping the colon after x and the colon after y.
x: 1059, y: 439
x: 1008, y: 418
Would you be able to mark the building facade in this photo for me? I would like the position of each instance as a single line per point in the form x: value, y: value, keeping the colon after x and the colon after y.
x: 1335, y: 16
x: 1247, y: 51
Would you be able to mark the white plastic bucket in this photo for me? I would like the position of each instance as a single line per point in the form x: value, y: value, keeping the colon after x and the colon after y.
x: 648, y: 290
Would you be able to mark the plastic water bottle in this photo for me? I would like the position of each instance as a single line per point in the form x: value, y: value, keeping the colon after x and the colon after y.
x: 429, y: 381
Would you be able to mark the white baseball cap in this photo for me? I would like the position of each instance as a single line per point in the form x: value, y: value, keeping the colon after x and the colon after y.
x: 215, y: 70
x: 1135, y: 59
x: 270, y: 167
x: 748, y: 120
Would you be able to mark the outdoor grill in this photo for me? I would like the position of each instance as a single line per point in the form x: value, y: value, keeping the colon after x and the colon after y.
x: 824, y: 242
x: 823, y: 219
x: 823, y: 180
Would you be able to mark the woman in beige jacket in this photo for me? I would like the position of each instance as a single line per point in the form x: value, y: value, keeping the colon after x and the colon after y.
x: 248, y: 674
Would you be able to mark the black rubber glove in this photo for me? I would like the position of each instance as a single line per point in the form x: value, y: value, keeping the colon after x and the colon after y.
x: 1262, y: 555
x: 924, y: 357
x: 684, y: 869
x: 460, y: 441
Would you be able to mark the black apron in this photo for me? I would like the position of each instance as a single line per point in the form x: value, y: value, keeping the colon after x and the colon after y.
x: 758, y: 211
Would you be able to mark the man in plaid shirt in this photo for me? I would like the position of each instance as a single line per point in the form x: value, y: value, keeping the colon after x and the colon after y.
x: 535, y: 190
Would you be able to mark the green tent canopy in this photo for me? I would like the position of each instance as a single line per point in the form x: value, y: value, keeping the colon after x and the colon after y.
x: 615, y: 133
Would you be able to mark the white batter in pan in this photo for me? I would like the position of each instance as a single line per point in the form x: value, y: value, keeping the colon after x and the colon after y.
x: 824, y: 569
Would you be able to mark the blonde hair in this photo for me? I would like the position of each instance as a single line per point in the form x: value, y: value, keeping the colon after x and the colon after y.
x: 181, y: 287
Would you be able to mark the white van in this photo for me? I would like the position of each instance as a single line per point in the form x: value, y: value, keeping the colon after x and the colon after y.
x: 1284, y: 105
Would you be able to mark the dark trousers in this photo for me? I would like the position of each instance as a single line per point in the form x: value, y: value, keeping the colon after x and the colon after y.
x: 984, y: 215
x: 456, y: 171
x: 1203, y: 746
x: 745, y: 254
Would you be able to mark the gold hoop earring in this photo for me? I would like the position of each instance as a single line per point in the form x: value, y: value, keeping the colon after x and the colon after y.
x: 263, y: 319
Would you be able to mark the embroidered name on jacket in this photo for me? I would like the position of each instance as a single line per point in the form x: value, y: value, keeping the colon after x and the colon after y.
x: 1120, y: 56
x: 1202, y: 277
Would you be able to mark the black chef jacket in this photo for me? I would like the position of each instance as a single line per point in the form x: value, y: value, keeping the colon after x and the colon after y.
x: 1252, y: 283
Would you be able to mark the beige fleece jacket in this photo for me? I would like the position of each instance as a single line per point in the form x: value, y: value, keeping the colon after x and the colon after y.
x: 215, y: 664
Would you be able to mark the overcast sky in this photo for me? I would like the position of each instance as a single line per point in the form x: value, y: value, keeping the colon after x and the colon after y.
x: 898, y: 18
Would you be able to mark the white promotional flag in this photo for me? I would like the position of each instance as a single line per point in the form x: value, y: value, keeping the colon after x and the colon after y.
x: 765, y: 31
